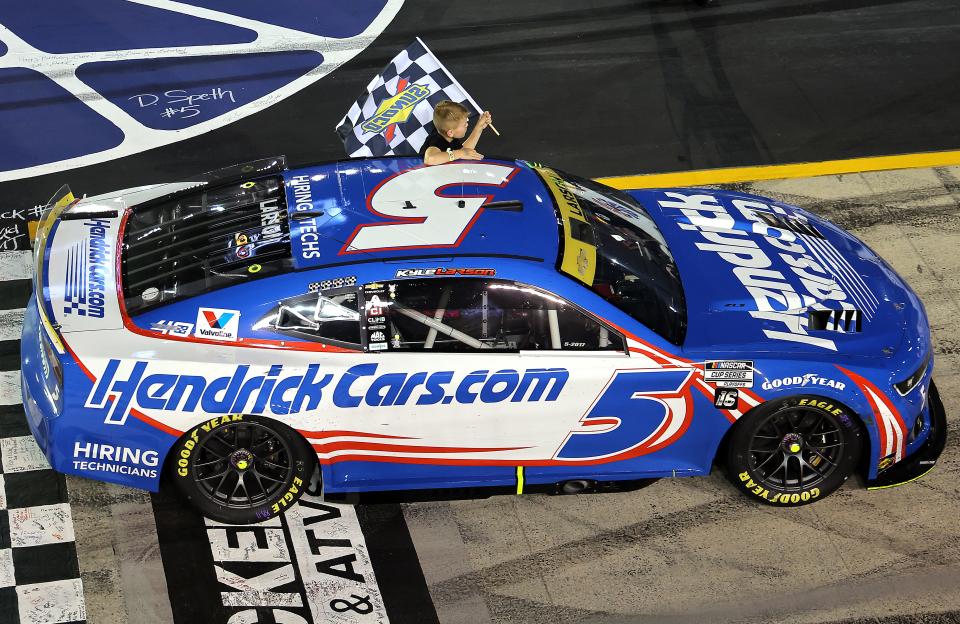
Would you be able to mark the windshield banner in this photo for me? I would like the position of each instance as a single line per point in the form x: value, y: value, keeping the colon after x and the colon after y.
x: 579, y: 252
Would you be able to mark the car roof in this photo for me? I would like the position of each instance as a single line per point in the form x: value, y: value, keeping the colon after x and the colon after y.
x: 330, y: 204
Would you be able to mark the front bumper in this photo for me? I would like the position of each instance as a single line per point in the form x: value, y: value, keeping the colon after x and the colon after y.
x: 921, y: 461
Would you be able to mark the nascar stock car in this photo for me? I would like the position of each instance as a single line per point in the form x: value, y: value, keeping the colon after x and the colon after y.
x: 483, y: 323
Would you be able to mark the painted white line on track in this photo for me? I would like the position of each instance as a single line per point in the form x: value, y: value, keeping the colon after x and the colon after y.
x: 10, y: 388
x: 21, y: 454
x: 334, y: 562
x: 11, y: 322
x: 58, y: 601
x: 257, y: 591
x: 62, y: 70
x: 16, y: 265
x: 7, y: 578
x: 36, y: 526
x: 244, y: 545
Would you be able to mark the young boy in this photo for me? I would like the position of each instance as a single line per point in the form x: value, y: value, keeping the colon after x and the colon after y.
x: 446, y: 143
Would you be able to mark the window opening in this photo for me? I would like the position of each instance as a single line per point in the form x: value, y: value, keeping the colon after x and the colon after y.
x: 467, y: 314
x: 325, y: 316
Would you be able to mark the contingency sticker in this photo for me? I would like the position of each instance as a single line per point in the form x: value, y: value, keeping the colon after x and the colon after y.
x: 216, y: 324
x: 729, y: 373
x: 725, y: 398
x: 377, y: 301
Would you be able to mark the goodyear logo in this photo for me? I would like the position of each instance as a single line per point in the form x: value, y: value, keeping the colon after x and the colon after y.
x: 396, y: 109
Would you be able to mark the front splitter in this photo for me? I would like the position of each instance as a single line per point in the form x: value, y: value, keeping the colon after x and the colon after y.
x: 925, y: 458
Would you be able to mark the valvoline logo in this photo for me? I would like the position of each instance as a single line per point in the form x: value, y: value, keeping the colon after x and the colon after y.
x: 397, y: 108
x: 217, y: 324
x: 276, y: 390
x: 217, y: 321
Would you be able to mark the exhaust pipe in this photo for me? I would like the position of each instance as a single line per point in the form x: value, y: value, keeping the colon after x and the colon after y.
x: 575, y: 486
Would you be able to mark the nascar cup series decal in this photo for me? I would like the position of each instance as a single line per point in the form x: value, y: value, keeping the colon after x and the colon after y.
x: 729, y: 373
x: 192, y: 67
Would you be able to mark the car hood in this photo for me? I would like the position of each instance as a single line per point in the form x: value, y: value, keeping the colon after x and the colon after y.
x: 759, y: 275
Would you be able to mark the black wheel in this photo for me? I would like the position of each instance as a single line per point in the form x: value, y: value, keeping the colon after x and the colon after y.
x: 794, y: 451
x: 241, y: 469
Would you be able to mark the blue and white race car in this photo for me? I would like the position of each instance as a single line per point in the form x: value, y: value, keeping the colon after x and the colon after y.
x: 489, y: 323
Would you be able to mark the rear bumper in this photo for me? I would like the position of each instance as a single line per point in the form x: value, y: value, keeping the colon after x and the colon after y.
x: 38, y: 405
x: 921, y: 461
x: 73, y: 440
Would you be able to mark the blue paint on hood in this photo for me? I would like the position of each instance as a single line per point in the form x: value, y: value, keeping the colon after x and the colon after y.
x: 753, y: 270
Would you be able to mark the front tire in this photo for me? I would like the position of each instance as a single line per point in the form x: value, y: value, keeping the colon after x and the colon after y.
x: 794, y: 451
x: 241, y: 469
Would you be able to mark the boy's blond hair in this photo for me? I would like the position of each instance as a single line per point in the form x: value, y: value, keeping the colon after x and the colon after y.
x: 447, y: 115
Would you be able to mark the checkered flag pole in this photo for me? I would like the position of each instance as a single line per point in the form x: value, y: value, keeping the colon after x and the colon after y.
x: 395, y: 114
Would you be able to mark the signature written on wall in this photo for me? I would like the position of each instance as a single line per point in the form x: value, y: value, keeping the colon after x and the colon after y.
x: 179, y: 104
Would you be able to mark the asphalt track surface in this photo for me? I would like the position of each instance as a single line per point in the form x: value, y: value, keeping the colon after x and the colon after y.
x: 620, y: 87
x: 687, y: 551
x: 610, y: 89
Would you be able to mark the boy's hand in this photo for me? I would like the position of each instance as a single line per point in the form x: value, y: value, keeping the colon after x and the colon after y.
x: 467, y: 153
x: 484, y: 120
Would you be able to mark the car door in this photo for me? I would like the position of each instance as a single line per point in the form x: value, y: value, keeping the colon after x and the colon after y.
x: 464, y: 380
x: 476, y: 377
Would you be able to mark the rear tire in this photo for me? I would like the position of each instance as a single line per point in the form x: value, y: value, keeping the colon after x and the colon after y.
x: 794, y: 451
x: 241, y: 469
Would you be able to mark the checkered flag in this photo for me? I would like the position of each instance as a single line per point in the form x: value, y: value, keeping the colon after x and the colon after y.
x: 395, y: 115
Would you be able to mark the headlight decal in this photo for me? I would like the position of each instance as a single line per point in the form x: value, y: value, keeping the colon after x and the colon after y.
x: 907, y: 386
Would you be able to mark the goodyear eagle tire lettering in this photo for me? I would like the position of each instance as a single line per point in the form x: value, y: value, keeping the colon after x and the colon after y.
x: 183, y: 457
x: 794, y: 451
x: 241, y: 469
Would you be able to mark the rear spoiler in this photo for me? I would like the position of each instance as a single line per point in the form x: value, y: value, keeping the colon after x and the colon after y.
x: 226, y: 175
x: 52, y: 211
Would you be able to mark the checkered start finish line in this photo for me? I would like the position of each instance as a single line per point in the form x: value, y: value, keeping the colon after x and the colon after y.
x: 39, y: 572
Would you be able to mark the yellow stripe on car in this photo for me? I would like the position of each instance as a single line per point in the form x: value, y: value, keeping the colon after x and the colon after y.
x: 62, y: 200
x: 893, y: 485
x: 579, y: 255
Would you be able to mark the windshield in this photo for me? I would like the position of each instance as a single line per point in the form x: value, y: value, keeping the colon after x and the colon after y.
x: 613, y: 246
